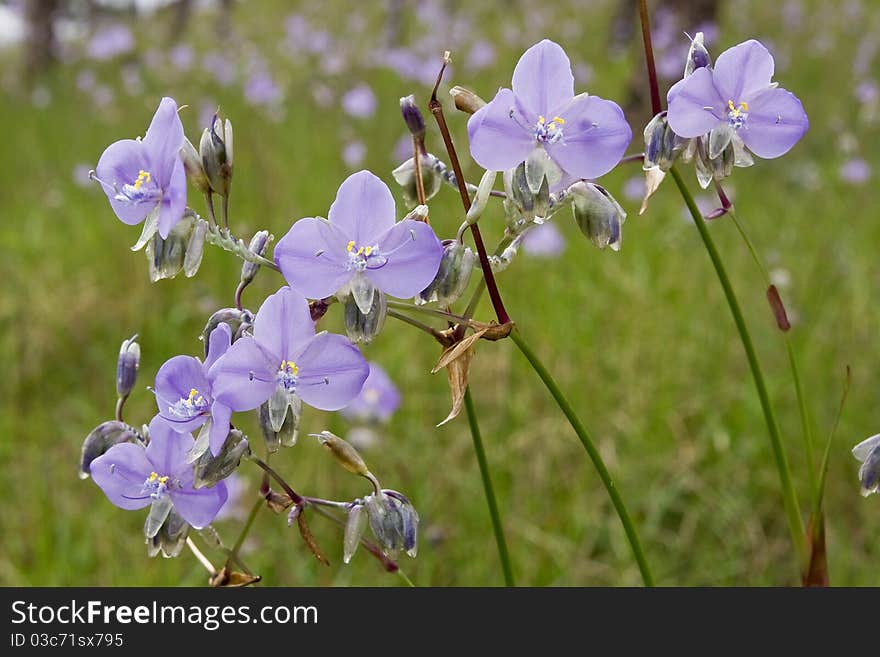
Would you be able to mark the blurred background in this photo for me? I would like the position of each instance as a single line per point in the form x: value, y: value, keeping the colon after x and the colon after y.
x: 641, y: 340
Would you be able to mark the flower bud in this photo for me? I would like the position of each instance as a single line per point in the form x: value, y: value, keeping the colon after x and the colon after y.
x: 405, y: 176
x: 210, y: 469
x: 287, y: 433
x: 453, y: 275
x: 102, y: 438
x: 215, y: 149
x: 662, y: 145
x: 346, y: 455
x: 127, y: 366
x: 718, y: 168
x: 192, y: 164
x: 258, y: 245
x: 522, y: 201
x: 413, y: 118
x: 698, y: 56
x: 239, y: 321
x: 466, y: 100
x: 170, y: 538
x: 180, y: 251
x: 360, y: 326
x: 354, y: 530
x: 394, y: 522
x: 868, y: 452
x: 598, y: 214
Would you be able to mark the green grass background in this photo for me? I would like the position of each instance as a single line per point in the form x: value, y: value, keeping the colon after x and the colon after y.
x: 641, y: 341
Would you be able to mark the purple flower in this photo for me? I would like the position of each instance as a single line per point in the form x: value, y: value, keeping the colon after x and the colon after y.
x: 378, y: 399
x: 359, y: 102
x: 353, y: 153
x: 584, y: 135
x: 543, y: 241
x: 358, y: 241
x: 110, y: 42
x: 142, y: 177
x: 133, y: 477
x: 855, y: 171
x: 285, y: 360
x: 184, y: 392
x: 738, y: 96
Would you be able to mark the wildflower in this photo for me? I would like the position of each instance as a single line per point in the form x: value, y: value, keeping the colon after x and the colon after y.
x: 378, y: 399
x: 127, y: 366
x: 146, y: 178
x: 868, y: 452
x: 359, y: 102
x: 285, y: 361
x: 133, y: 477
x: 738, y: 98
x: 584, y: 135
x: 544, y: 241
x: 185, y: 396
x: 359, y: 248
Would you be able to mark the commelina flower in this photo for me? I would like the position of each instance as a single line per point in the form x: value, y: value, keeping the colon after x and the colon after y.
x: 284, y: 360
x: 738, y: 95
x: 184, y: 391
x: 145, y: 177
x: 359, y: 240
x: 584, y: 135
x: 133, y: 477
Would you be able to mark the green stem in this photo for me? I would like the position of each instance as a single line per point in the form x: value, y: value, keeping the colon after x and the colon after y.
x: 233, y: 553
x: 628, y: 527
x: 792, y: 508
x: 487, y: 487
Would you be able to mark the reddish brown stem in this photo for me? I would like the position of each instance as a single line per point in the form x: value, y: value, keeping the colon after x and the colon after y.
x: 649, y: 58
x: 491, y: 286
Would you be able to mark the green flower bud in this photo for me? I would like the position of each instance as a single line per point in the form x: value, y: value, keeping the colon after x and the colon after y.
x: 127, y: 366
x: 192, y: 164
x: 598, y: 214
x: 453, y: 275
x: 181, y: 251
x: 215, y: 149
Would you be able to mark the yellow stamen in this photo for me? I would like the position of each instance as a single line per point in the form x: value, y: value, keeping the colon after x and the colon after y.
x: 143, y: 177
x: 744, y: 105
x: 559, y: 120
x: 541, y: 120
x: 368, y: 250
x: 350, y: 246
x: 290, y: 365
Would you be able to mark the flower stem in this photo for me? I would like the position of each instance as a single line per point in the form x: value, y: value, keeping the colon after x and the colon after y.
x: 434, y: 333
x: 201, y: 557
x: 255, y: 509
x: 437, y: 110
x: 792, y: 508
x: 656, y: 106
x: 575, y: 422
x: 497, y: 526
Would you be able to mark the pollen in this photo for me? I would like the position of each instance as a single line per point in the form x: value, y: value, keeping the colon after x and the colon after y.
x: 350, y: 246
x: 561, y: 121
x: 155, y: 478
x: 289, y: 365
x: 143, y: 177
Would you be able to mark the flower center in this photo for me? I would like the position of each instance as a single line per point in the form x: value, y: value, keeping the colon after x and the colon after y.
x: 189, y: 407
x: 737, y: 114
x: 549, y: 132
x: 364, y: 257
x: 286, y: 375
x: 156, y: 485
x: 142, y: 190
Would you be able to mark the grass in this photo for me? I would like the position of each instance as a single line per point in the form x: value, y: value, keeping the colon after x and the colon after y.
x: 640, y: 341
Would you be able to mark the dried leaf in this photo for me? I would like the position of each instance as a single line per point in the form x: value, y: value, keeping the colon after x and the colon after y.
x: 455, y: 351
x: 494, y: 330
x: 232, y: 579
x: 309, y: 538
x: 653, y: 177
x: 457, y: 372
x: 278, y: 502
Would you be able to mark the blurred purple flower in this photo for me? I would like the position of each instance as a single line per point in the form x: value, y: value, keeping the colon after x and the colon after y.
x: 220, y: 67
x: 184, y: 393
x: 543, y: 241
x: 133, y: 477
x: 737, y: 95
x: 867, y: 92
x: 285, y: 357
x: 319, y: 257
x: 110, y: 42
x: 634, y: 188
x: 359, y: 102
x: 85, y: 80
x: 403, y: 148
x: 81, y: 175
x: 131, y: 80
x: 855, y: 171
x: 181, y: 57
x: 481, y: 55
x: 261, y: 89
x: 378, y: 399
x: 584, y: 135
x: 353, y: 153
x: 140, y: 177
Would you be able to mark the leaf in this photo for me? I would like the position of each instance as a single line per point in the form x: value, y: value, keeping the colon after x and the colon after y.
x: 309, y: 539
x: 456, y: 350
x: 817, y: 570
x: 278, y: 502
x: 457, y: 371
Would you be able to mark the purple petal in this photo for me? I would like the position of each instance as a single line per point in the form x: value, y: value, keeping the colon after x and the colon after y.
x: 332, y: 372
x: 595, y: 136
x: 542, y: 79
x: 688, y: 116
x: 245, y: 376
x: 776, y: 122
x: 174, y: 380
x: 173, y: 199
x: 363, y: 209
x: 313, y: 257
x: 379, y: 397
x: 167, y: 449
x: 218, y: 344
x: 199, y: 507
x: 120, y: 164
x: 283, y: 323
x: 743, y: 70
x: 498, y: 141
x: 220, y: 416
x: 163, y: 141
x: 413, y: 257
x: 121, y: 472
